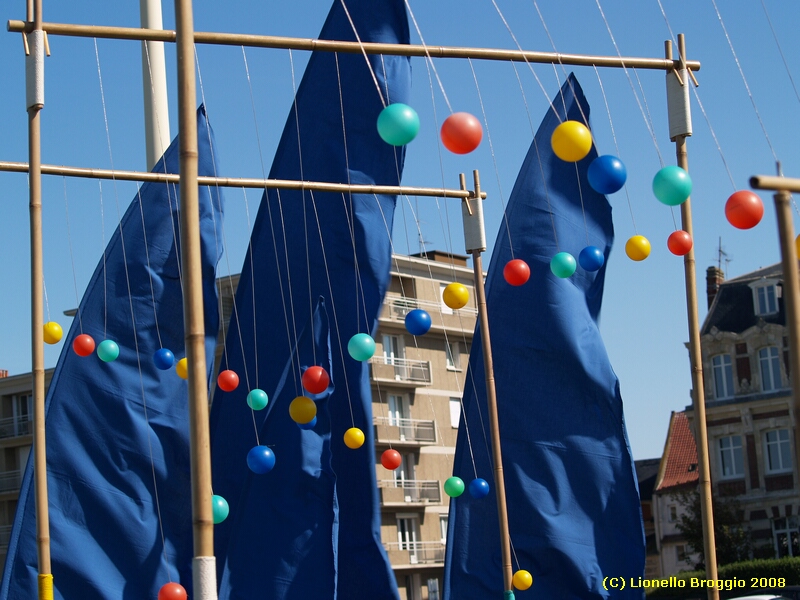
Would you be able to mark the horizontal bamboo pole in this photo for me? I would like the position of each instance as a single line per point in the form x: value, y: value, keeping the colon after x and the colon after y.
x: 284, y: 184
x: 268, y: 41
x: 777, y: 184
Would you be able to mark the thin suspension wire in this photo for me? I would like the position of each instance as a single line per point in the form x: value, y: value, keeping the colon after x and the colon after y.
x: 149, y: 270
x: 366, y: 58
x: 72, y: 259
x: 780, y: 50
x: 427, y: 54
x: 744, y: 80
x: 105, y: 277
x: 46, y: 301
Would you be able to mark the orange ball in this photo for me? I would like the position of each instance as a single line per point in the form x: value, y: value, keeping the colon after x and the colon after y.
x: 228, y: 381
x: 391, y: 459
x: 744, y: 209
x: 461, y: 133
x: 315, y: 380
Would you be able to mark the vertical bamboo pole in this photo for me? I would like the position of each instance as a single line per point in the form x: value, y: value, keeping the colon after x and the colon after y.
x: 203, y: 567
x: 698, y: 391
x: 476, y: 244
x: 34, y: 75
x: 791, y: 303
x: 154, y: 85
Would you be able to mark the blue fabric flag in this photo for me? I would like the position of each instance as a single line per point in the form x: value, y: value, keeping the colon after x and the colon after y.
x: 319, y: 510
x: 573, y: 502
x: 118, y: 432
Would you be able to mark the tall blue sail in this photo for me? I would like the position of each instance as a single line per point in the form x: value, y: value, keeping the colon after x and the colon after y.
x: 573, y: 502
x: 310, y: 528
x: 117, y: 433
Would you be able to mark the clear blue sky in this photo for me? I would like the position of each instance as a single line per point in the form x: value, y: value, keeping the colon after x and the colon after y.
x: 644, y: 316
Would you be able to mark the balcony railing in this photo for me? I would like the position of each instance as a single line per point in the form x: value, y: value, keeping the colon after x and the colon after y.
x: 409, y: 491
x: 5, y: 535
x: 404, y: 370
x: 397, y: 307
x: 393, y: 429
x: 415, y: 553
x: 15, y: 426
x: 10, y: 481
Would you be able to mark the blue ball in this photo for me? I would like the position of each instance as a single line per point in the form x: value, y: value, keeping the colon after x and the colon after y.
x: 607, y: 174
x: 478, y: 488
x: 591, y: 258
x: 163, y: 359
x: 309, y: 425
x: 418, y: 322
x: 260, y: 460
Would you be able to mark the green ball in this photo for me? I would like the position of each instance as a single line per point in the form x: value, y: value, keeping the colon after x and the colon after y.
x: 257, y: 399
x: 361, y: 347
x: 398, y: 124
x: 672, y: 186
x: 563, y: 265
x: 219, y: 509
x: 454, y: 487
x: 108, y: 350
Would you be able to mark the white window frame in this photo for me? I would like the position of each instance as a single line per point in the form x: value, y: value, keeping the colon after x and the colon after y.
x: 765, y: 297
x: 770, y: 357
x: 722, y: 370
x: 444, y: 520
x: 785, y: 527
x: 778, y: 445
x: 455, y: 411
x: 446, y: 310
x: 731, y: 457
x: 452, y: 352
x: 393, y: 348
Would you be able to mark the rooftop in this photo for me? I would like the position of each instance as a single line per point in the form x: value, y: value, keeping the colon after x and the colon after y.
x: 679, y: 462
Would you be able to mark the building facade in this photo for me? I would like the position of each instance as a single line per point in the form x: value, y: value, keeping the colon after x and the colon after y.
x: 416, y: 384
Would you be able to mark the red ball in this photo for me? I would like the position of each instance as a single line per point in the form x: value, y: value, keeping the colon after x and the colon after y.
x: 744, y: 209
x: 679, y: 242
x: 391, y: 459
x: 315, y: 380
x: 83, y: 345
x: 172, y: 591
x: 461, y: 133
x: 228, y: 381
x: 516, y: 271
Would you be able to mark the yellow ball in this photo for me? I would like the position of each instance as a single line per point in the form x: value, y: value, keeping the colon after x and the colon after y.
x: 52, y: 332
x: 522, y: 579
x: 302, y: 410
x: 182, y: 368
x: 797, y: 244
x: 455, y: 296
x: 354, y: 438
x: 637, y: 248
x: 571, y: 141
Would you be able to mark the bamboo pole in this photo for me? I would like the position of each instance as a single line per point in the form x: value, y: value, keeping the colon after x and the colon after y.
x: 476, y: 248
x: 203, y: 564
x: 34, y: 72
x: 767, y: 182
x: 265, y: 41
x: 286, y: 184
x: 696, y: 359
x: 154, y: 86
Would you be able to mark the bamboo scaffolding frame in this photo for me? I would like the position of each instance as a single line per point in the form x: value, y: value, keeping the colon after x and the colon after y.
x: 267, y: 41
x: 284, y: 184
x: 776, y: 184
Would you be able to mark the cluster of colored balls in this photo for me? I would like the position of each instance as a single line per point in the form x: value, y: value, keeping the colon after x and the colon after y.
x: 391, y: 459
x: 163, y: 359
x: 219, y: 509
x: 418, y: 322
x: 461, y: 133
x: 522, y: 579
x: 227, y: 380
x: 52, y: 332
x: 516, y: 272
x: 315, y: 380
x: 302, y: 410
x: 455, y: 296
x: 172, y: 591
x: 361, y: 347
x: 354, y: 438
x: 398, y: 124
x: 478, y: 488
x: 257, y: 399
x: 260, y: 460
x: 672, y: 186
x: 637, y: 248
x: 454, y: 486
x: 744, y: 209
x: 679, y: 242
x: 571, y: 141
x: 607, y: 174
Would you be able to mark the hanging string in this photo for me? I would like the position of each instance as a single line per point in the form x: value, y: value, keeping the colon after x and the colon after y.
x: 428, y: 55
x: 364, y: 52
x: 149, y: 269
x: 72, y: 259
x: 103, y: 240
x: 780, y: 50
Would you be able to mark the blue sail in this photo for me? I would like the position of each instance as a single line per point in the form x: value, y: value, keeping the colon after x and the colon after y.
x: 573, y: 502
x: 118, y: 432
x: 310, y: 528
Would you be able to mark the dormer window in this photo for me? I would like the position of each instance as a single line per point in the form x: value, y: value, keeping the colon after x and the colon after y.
x: 765, y: 297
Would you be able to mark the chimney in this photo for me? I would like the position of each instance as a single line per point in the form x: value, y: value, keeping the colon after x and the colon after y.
x: 3, y: 373
x: 714, y: 277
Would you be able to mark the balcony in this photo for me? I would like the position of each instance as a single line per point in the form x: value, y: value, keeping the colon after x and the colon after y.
x: 5, y: 536
x: 405, y: 554
x: 406, y: 492
x: 10, y: 481
x: 396, y: 307
x: 414, y: 432
x: 401, y: 371
x: 15, y: 427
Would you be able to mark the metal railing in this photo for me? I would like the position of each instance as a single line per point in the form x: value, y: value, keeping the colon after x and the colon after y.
x: 401, y: 369
x: 415, y: 553
x: 409, y: 490
x: 398, y: 307
x: 15, y: 426
x: 404, y: 430
x: 10, y: 481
